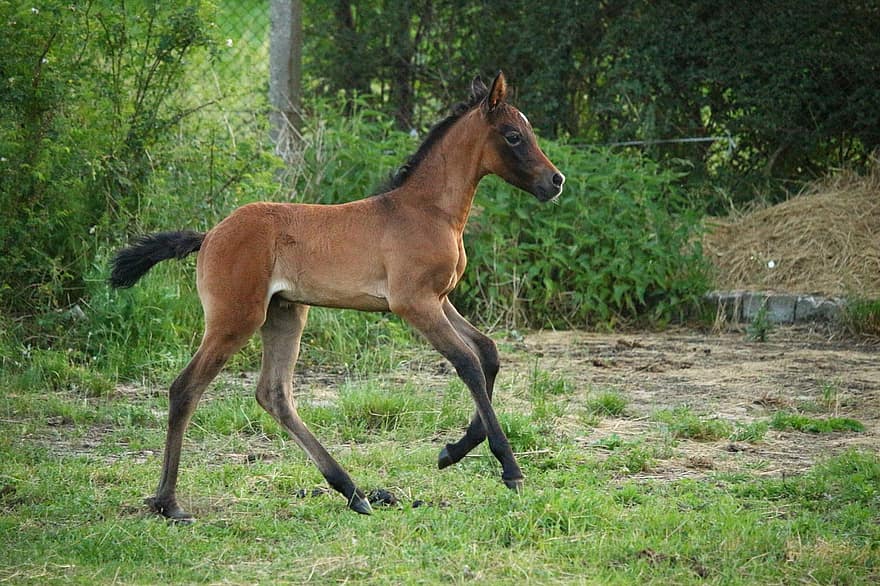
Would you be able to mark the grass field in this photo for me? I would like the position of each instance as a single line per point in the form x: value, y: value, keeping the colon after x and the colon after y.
x: 76, y: 464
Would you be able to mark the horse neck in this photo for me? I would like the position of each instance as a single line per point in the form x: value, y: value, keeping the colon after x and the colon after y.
x: 447, y: 178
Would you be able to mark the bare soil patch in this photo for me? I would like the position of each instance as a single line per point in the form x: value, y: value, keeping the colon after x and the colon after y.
x: 726, y: 376
x: 716, y: 375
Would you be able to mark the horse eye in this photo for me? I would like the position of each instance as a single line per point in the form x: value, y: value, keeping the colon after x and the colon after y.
x: 513, y: 138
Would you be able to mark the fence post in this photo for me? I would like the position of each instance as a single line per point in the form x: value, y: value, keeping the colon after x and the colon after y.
x: 285, y: 76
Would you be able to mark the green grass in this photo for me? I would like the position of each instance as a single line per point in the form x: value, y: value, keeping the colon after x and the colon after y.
x: 630, y: 458
x: 861, y: 317
x: 546, y: 391
x: 749, y: 432
x: 681, y: 422
x: 606, y: 403
x: 543, y: 383
x: 74, y: 468
x: 786, y: 421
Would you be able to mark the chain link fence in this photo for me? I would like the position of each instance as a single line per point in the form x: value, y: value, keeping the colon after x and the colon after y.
x: 229, y: 84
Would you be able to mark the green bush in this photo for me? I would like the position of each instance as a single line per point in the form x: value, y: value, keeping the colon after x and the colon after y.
x: 621, y: 245
x: 98, y: 142
x: 348, y: 156
x: 85, y: 103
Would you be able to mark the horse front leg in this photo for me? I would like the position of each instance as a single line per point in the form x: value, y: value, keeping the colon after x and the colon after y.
x: 487, y: 352
x: 429, y: 318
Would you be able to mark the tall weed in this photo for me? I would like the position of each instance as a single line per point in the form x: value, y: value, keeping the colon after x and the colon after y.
x: 86, y: 109
x: 861, y: 318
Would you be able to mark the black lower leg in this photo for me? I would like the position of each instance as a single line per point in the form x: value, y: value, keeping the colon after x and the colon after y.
x: 473, y: 436
x: 511, y: 473
x: 340, y: 481
x: 474, y: 378
x: 447, y: 332
x: 487, y: 352
x: 476, y: 431
x: 168, y: 508
x: 499, y: 445
x: 336, y: 476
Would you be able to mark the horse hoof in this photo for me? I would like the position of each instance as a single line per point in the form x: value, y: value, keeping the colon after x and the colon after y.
x: 514, y: 484
x: 170, y: 511
x: 359, y: 504
x: 444, y: 459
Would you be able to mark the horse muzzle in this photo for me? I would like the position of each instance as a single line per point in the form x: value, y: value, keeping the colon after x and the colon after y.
x: 549, y: 186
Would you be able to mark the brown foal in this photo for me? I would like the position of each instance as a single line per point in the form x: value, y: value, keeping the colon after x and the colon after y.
x: 401, y: 251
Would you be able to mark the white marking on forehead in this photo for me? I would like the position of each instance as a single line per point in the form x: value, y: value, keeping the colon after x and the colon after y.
x: 524, y: 117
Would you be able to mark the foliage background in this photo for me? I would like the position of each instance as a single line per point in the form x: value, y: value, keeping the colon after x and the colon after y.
x: 792, y: 83
x: 120, y: 118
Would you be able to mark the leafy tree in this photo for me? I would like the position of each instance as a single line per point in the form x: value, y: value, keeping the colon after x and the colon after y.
x: 792, y: 83
x: 395, y: 51
x: 795, y: 83
x: 84, y: 94
x: 369, y: 47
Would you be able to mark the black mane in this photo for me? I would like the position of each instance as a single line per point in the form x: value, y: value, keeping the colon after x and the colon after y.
x: 437, y: 132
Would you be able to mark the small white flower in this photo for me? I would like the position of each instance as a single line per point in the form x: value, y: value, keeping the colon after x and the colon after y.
x: 228, y: 42
x: 771, y: 264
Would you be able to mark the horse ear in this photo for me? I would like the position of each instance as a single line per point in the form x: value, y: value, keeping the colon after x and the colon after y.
x: 498, y: 92
x: 478, y: 89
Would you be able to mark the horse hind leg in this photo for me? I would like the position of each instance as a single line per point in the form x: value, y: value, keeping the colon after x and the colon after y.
x: 218, y: 345
x: 281, y: 335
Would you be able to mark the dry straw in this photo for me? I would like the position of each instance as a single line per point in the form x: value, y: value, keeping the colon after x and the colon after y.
x: 825, y: 240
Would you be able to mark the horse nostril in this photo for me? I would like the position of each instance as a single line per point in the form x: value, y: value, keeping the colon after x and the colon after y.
x: 558, y: 179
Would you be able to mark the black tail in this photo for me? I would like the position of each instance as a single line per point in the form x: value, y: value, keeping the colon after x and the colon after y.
x: 133, y: 262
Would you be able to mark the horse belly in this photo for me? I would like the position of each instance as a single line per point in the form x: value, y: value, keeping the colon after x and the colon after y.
x: 367, y: 298
x: 331, y: 257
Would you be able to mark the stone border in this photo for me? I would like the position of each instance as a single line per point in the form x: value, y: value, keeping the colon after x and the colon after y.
x: 782, y: 308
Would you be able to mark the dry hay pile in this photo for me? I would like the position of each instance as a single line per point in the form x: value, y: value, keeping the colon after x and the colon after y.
x: 825, y: 240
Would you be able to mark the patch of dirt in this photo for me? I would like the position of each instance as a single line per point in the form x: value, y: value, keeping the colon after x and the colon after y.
x: 716, y: 375
x: 725, y: 376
